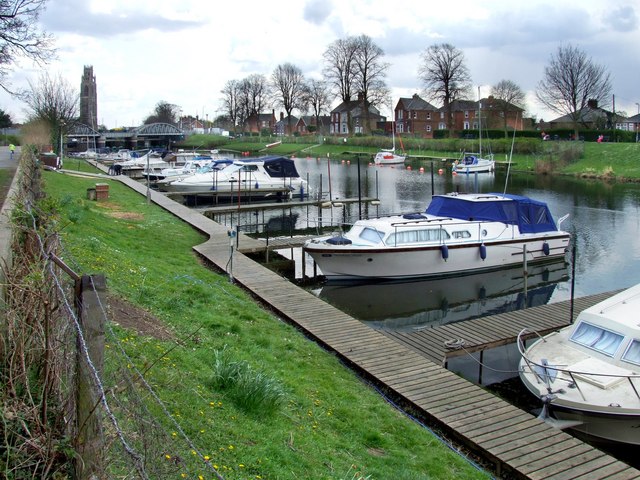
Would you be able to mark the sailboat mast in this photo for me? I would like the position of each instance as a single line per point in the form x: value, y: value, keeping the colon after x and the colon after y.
x: 480, y: 120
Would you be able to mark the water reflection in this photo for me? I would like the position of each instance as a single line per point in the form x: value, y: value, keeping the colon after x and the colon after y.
x: 410, y: 306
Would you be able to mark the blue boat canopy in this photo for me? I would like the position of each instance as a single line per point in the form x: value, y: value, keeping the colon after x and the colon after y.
x: 277, y: 166
x: 531, y: 216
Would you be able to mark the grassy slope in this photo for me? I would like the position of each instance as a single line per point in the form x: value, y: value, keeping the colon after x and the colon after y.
x: 608, y: 159
x: 331, y: 426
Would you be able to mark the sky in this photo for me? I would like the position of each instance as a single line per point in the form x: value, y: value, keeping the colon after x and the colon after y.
x: 183, y: 52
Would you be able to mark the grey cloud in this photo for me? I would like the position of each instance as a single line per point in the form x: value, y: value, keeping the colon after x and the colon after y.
x: 73, y: 16
x: 622, y: 19
x: 317, y: 11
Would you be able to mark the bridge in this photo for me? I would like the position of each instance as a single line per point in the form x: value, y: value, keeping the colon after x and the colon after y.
x: 82, y: 137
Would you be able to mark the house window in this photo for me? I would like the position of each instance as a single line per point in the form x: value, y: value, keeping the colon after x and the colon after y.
x: 428, y: 115
x: 400, y: 114
x: 442, y: 126
x: 466, y: 126
x: 400, y: 128
x: 429, y: 128
x: 415, y: 114
x: 441, y: 114
x: 466, y: 114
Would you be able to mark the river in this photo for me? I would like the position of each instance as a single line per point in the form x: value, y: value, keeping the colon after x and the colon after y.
x: 604, y: 219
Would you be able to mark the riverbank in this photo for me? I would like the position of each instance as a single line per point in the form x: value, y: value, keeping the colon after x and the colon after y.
x: 326, y: 422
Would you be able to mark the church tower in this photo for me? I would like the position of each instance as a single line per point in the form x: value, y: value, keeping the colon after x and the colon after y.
x: 89, y: 99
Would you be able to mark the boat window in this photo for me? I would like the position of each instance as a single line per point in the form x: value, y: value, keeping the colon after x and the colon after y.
x: 371, y: 235
x: 461, y: 234
x: 249, y: 168
x: 417, y: 236
x: 633, y: 352
x: 598, y: 338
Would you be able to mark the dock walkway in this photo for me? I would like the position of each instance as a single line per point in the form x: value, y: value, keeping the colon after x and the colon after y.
x: 517, y: 443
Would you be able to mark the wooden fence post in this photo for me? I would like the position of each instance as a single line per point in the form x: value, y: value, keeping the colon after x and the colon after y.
x: 89, y: 440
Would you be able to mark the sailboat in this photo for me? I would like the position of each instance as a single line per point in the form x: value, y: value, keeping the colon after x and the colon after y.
x: 475, y: 162
x: 389, y: 156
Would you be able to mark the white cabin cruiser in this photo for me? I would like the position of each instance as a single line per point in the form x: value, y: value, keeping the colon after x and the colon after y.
x: 587, y: 374
x: 255, y: 178
x: 458, y: 233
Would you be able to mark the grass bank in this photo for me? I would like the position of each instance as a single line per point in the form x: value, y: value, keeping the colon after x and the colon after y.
x: 589, y: 159
x: 243, y: 395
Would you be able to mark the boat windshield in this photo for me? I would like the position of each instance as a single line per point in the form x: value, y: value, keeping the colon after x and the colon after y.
x: 598, y: 338
x: 371, y: 235
x: 633, y: 352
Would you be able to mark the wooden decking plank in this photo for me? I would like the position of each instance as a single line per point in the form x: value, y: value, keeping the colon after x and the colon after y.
x: 616, y: 469
x: 485, y: 425
x: 534, y: 461
x: 459, y: 411
x: 539, y: 448
x: 525, y: 435
x: 576, y: 466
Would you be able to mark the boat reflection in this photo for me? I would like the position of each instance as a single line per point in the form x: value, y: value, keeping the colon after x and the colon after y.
x: 410, y: 306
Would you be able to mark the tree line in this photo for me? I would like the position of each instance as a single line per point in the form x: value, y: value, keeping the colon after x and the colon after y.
x: 354, y: 67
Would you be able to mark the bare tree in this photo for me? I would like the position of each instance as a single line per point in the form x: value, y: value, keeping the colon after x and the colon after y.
x: 230, y: 101
x: 508, y: 98
x: 254, y: 95
x: 445, y: 76
x: 571, y: 80
x: 20, y: 36
x: 371, y: 71
x: 55, y: 102
x: 288, y: 81
x: 339, y: 69
x: 316, y: 98
x: 164, y: 112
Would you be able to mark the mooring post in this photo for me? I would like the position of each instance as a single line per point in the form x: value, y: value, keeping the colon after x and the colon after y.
x: 90, y: 359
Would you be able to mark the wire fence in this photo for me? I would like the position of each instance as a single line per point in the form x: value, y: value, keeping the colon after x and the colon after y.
x: 71, y: 406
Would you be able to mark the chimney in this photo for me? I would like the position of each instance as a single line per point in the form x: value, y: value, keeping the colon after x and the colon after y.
x: 592, y: 103
x: 281, y: 115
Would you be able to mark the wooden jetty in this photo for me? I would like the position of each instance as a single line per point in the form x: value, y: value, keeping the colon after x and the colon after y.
x: 443, y: 342
x: 515, y: 442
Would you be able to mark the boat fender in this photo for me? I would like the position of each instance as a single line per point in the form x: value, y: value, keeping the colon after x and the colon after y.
x: 483, y: 251
x: 257, y: 186
x: 545, y: 248
x: 445, y: 252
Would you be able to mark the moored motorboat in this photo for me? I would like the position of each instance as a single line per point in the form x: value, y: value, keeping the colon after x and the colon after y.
x: 253, y: 177
x: 586, y: 374
x: 457, y: 233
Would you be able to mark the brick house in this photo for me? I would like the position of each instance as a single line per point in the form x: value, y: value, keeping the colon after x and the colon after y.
x: 591, y: 117
x: 320, y: 123
x: 416, y: 116
x: 496, y: 114
x: 286, y: 125
x: 353, y: 112
x: 261, y: 121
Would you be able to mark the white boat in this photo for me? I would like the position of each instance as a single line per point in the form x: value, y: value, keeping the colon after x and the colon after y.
x: 586, y: 374
x: 389, y: 156
x: 457, y: 233
x: 476, y: 162
x: 192, y: 167
x: 254, y: 178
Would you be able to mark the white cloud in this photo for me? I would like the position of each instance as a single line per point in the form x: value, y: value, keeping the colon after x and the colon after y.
x: 184, y: 52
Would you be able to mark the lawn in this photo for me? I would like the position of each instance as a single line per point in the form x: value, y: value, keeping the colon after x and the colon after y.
x: 243, y: 394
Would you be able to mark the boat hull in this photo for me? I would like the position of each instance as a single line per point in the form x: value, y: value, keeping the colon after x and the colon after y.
x: 419, y: 262
x: 609, y: 427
